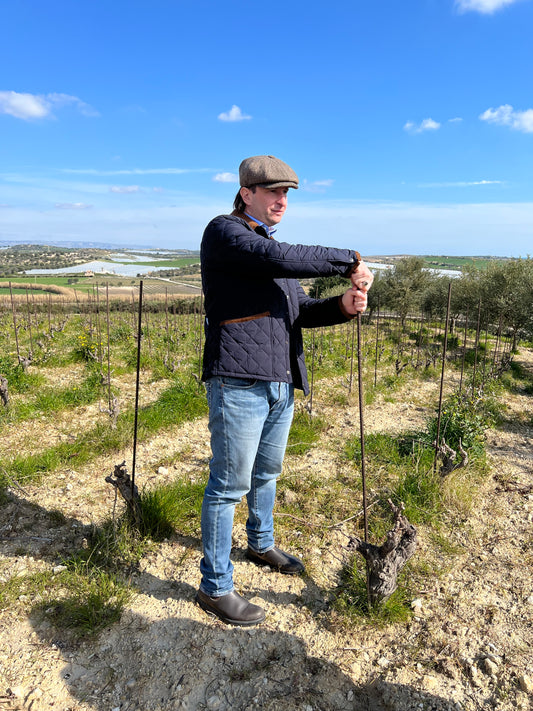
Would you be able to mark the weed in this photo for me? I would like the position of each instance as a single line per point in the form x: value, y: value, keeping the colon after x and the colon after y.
x: 89, y: 599
x: 305, y: 431
x: 464, y: 421
x: 181, y: 402
x: 170, y: 508
x: 420, y: 492
x: 352, y: 597
x: 19, y: 380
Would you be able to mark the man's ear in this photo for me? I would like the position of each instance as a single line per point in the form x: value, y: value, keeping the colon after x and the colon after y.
x: 245, y: 194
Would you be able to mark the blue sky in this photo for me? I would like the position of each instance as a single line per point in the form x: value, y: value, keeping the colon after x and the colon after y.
x: 410, y: 124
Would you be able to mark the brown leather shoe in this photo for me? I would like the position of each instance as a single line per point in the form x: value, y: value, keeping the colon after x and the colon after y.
x: 233, y: 609
x: 277, y: 559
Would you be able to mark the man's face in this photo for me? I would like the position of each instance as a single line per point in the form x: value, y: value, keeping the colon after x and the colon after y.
x: 266, y: 204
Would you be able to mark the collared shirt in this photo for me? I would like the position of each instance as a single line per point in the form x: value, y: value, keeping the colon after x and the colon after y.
x: 269, y: 230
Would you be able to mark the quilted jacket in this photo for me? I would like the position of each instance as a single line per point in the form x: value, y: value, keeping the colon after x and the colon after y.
x: 255, y: 307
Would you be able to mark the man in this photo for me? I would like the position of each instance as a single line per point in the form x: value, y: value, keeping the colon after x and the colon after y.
x: 253, y: 360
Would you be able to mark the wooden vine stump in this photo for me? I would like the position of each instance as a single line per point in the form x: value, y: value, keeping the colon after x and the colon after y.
x: 449, y: 456
x: 122, y: 484
x: 113, y: 411
x: 385, y: 562
x: 4, y: 391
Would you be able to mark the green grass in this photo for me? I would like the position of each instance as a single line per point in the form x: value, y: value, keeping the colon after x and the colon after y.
x: 351, y: 597
x: 171, y: 508
x: 82, y: 598
x: 181, y: 402
x: 49, y: 399
x: 305, y: 432
x: 89, y: 599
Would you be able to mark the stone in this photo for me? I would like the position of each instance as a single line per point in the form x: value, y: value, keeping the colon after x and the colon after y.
x: 17, y: 691
x: 162, y: 470
x: 490, y: 666
x: 526, y: 683
x: 430, y: 682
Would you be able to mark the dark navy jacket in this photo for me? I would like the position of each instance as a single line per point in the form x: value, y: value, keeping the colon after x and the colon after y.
x: 255, y: 307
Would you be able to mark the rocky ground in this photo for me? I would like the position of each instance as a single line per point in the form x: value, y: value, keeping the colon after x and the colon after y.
x: 467, y: 646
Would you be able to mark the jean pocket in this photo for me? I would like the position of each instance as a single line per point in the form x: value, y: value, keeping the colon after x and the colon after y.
x: 240, y: 383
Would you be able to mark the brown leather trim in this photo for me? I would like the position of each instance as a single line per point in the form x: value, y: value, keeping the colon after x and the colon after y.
x: 253, y: 224
x: 245, y: 318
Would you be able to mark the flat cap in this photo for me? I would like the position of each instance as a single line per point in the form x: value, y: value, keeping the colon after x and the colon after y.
x: 267, y: 172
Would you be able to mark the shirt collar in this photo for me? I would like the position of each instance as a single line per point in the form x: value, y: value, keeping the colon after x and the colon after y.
x: 269, y: 230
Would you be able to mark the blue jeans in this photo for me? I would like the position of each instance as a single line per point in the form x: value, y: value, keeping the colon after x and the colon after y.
x: 249, y: 421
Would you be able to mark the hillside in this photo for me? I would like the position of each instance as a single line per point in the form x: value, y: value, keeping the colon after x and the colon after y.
x: 465, y: 645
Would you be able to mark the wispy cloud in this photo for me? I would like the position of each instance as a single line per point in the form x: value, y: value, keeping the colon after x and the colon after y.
x: 40, y: 106
x: 72, y: 206
x: 461, y: 184
x: 486, y: 7
x: 453, y: 227
x: 124, y: 189
x: 505, y: 115
x: 425, y: 125
x: 136, y: 171
x: 226, y: 178
x: 317, y: 186
x: 457, y: 119
x: 234, y: 114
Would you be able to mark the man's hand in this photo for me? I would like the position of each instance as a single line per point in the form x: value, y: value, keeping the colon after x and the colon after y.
x: 362, y: 277
x: 354, y: 301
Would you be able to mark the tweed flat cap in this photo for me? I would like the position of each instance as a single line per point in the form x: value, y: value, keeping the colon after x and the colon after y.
x: 267, y: 172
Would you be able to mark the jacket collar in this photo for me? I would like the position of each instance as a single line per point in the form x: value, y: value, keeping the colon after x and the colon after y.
x: 255, y: 226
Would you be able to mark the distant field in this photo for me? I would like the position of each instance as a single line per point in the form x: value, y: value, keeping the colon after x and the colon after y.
x: 457, y: 262
x: 170, y: 263
x: 85, y: 284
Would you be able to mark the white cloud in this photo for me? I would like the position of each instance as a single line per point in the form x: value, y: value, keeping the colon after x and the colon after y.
x: 461, y: 184
x: 39, y: 106
x: 425, y: 125
x: 72, y: 206
x: 234, y: 114
x: 135, y: 171
x: 125, y: 189
x: 486, y: 7
x: 455, y: 120
x: 317, y: 186
x: 226, y: 178
x: 505, y: 115
x: 376, y: 227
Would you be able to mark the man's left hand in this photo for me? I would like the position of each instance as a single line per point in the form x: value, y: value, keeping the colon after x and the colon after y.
x: 354, y: 301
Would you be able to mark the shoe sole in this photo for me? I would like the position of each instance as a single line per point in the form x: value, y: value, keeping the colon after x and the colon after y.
x: 227, y: 620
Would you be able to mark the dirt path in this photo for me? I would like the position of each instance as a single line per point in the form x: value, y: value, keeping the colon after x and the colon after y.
x: 468, y: 646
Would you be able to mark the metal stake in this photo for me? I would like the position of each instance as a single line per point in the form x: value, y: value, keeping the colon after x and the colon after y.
x: 444, y: 347
x: 139, y: 334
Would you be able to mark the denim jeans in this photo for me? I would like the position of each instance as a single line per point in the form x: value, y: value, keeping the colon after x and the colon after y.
x: 249, y: 421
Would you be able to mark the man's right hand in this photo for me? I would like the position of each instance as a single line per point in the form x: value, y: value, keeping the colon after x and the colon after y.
x: 362, y: 278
